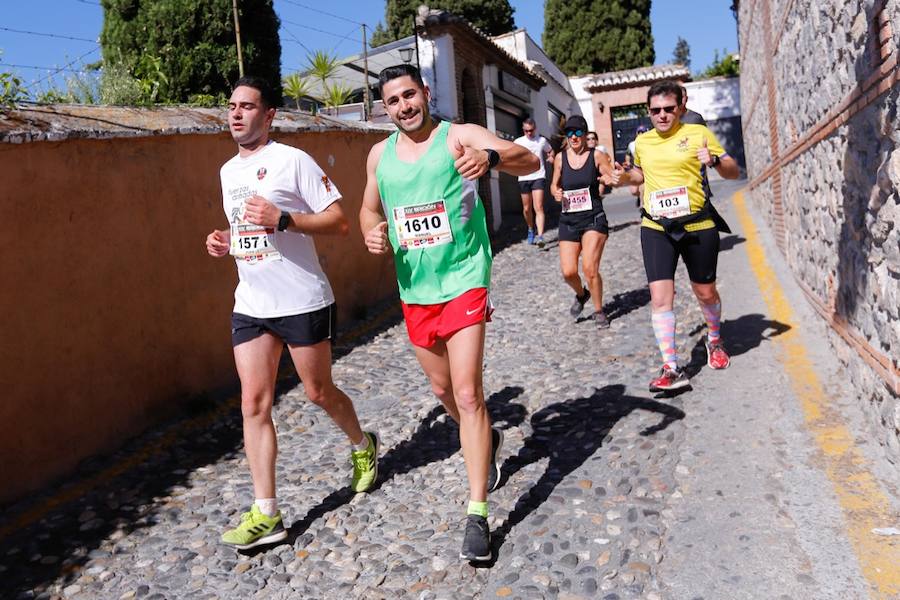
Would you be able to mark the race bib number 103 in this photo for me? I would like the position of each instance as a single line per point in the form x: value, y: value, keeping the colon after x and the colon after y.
x: 670, y: 203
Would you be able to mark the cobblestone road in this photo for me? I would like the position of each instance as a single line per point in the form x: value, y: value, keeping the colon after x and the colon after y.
x: 590, y: 469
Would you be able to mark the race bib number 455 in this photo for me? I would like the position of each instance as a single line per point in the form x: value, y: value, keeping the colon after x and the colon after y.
x: 422, y: 225
x: 670, y: 203
x: 576, y: 200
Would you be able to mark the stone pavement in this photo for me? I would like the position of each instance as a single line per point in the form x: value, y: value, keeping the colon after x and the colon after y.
x: 598, y: 473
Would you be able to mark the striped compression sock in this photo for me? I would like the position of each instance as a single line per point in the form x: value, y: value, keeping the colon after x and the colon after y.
x: 713, y: 315
x: 477, y: 508
x: 664, y: 330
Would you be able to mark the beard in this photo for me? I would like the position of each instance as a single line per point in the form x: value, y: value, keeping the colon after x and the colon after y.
x: 415, y: 122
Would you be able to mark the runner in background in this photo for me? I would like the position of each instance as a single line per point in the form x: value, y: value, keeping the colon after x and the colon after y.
x: 531, y: 186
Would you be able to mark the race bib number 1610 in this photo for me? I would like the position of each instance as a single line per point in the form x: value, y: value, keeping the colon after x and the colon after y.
x: 422, y: 225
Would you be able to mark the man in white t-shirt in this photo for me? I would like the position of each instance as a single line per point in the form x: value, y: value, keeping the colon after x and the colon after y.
x: 531, y: 186
x: 276, y: 198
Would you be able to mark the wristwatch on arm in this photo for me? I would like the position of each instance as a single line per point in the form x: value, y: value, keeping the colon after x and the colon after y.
x: 716, y: 161
x: 284, y: 221
x: 493, y: 157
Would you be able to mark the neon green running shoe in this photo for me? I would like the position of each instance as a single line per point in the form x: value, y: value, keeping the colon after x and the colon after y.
x: 255, y: 529
x: 365, y: 465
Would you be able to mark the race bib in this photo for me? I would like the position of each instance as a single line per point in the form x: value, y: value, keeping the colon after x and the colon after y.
x: 576, y: 200
x: 670, y: 203
x: 253, y: 243
x: 422, y: 225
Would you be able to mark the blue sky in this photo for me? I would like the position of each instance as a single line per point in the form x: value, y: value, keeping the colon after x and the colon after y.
x: 304, y: 20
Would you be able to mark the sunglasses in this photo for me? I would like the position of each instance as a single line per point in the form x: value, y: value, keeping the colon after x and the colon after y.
x: 669, y: 109
x: 574, y: 133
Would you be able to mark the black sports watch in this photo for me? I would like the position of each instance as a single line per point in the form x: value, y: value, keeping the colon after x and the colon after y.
x: 716, y: 161
x: 284, y: 220
x: 493, y: 158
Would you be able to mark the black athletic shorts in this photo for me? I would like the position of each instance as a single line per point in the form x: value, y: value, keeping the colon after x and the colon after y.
x: 698, y: 249
x: 305, y: 329
x: 572, y: 230
x: 534, y: 184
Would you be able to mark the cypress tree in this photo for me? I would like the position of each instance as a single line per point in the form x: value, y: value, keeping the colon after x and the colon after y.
x: 187, y: 47
x: 491, y: 16
x: 682, y: 53
x: 589, y: 36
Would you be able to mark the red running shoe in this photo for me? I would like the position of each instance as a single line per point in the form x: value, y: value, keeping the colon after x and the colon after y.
x: 716, y: 357
x: 669, y: 379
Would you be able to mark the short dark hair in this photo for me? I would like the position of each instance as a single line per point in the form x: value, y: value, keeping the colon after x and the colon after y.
x: 397, y: 71
x: 593, y: 133
x: 266, y: 93
x: 666, y: 88
x: 529, y: 121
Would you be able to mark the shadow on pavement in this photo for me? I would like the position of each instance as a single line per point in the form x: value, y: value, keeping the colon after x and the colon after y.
x: 626, y: 302
x: 569, y: 433
x: 49, y: 536
x: 729, y: 242
x: 741, y: 335
x: 435, y: 440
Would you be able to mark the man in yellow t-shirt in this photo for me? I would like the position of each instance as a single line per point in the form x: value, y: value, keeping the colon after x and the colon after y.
x: 678, y: 220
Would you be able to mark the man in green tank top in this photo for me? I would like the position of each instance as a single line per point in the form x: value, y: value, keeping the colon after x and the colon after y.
x: 421, y: 199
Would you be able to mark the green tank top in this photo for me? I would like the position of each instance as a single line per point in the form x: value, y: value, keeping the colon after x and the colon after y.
x: 436, y: 224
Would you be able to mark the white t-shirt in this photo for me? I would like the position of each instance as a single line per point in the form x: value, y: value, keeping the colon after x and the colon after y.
x: 538, y: 146
x: 289, y: 178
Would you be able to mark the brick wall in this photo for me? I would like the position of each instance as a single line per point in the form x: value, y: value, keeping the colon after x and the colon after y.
x: 819, y: 92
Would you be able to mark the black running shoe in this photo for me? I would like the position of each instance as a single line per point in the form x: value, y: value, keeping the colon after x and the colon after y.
x: 578, y: 305
x: 477, y: 540
x: 494, y: 468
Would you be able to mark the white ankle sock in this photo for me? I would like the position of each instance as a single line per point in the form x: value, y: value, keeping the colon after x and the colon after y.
x: 268, y: 506
x: 363, y: 445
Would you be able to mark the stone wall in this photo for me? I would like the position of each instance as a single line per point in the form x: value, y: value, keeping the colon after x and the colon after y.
x: 819, y: 91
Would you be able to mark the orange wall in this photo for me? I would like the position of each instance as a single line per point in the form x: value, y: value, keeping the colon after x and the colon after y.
x: 113, y: 313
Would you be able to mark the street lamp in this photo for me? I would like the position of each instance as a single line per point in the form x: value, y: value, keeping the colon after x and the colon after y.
x: 406, y: 54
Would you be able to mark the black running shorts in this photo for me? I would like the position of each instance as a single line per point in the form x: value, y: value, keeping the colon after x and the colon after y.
x: 698, y: 249
x: 529, y: 186
x: 295, y: 330
x: 572, y: 230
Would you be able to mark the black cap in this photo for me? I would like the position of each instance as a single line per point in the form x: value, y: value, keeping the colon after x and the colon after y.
x: 576, y: 122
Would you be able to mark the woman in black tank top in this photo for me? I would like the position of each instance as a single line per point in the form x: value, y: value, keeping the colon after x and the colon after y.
x: 583, y: 228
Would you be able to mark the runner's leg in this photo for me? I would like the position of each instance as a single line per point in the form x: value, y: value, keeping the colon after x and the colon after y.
x: 538, y: 204
x: 436, y: 365
x: 526, y: 209
x: 568, y: 264
x: 465, y: 350
x: 257, y: 366
x: 592, y: 243
x: 313, y: 364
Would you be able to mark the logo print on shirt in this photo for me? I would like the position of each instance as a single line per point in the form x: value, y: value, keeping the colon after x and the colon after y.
x: 261, y: 173
x: 682, y: 144
x: 326, y: 183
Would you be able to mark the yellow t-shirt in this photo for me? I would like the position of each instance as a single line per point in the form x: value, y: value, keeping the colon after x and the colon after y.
x: 671, y: 161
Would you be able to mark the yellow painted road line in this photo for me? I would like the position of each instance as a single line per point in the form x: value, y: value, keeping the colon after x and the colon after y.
x: 861, y: 498
x: 158, y: 446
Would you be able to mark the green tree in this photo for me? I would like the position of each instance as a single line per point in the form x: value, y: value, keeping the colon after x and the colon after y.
x: 586, y: 36
x: 726, y: 66
x: 682, y: 53
x: 491, y: 16
x: 177, y: 49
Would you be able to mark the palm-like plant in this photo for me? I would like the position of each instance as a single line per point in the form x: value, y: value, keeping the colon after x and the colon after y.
x: 336, y: 94
x: 322, y: 65
x: 296, y: 87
